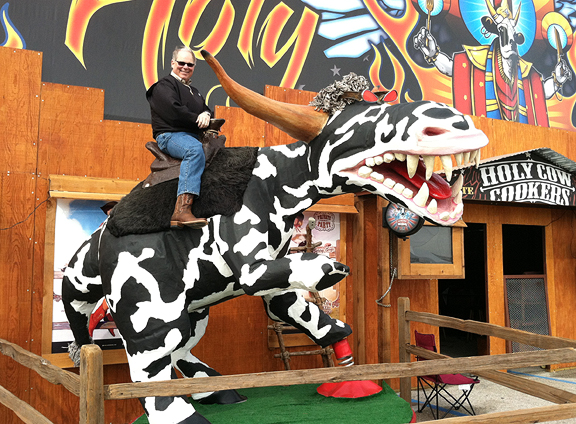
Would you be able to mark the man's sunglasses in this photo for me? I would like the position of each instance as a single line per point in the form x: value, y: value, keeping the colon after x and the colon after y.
x: 190, y: 65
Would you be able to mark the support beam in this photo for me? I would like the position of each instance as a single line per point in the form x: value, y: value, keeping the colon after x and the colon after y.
x: 91, y: 385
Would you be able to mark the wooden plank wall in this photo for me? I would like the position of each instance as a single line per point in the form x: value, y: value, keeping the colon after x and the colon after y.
x: 59, y: 129
x: 20, y: 88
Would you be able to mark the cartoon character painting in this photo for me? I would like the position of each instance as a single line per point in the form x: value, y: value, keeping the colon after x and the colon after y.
x: 493, y: 80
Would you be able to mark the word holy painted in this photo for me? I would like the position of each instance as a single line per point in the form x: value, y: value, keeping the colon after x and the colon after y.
x: 161, y: 11
x: 518, y: 179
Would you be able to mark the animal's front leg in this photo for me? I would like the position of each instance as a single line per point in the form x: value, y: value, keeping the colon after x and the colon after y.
x: 293, y: 309
x: 192, y: 367
x: 307, y: 271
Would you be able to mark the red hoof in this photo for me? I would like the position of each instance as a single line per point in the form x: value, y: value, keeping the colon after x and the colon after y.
x: 349, y: 389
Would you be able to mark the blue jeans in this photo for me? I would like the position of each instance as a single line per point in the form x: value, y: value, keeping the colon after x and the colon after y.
x: 185, y: 146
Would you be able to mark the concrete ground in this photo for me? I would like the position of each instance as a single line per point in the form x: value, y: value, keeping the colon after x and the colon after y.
x: 488, y: 397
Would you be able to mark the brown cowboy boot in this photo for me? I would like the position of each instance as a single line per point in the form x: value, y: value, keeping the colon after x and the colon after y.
x: 183, y: 213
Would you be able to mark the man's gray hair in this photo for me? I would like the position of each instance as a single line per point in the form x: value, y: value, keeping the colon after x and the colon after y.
x: 183, y: 48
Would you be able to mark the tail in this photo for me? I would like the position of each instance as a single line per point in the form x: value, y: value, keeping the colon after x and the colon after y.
x: 81, y: 291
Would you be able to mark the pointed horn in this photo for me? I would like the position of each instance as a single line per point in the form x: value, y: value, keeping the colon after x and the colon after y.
x: 517, y: 14
x: 491, y: 8
x: 298, y: 121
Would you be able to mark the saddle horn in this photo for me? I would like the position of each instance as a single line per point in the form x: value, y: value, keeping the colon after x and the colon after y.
x: 298, y: 121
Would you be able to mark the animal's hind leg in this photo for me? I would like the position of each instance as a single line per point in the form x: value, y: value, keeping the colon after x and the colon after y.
x: 81, y: 291
x: 153, y: 320
x: 150, y: 359
x: 293, y: 309
x: 191, y: 367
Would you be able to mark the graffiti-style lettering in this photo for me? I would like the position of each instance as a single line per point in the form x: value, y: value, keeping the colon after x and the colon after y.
x: 219, y: 34
x: 246, y: 37
x: 156, y: 29
x: 301, y: 39
x: 81, y: 11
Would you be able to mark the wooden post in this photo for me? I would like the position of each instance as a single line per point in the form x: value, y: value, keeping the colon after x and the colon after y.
x: 91, y: 385
x: 403, y: 341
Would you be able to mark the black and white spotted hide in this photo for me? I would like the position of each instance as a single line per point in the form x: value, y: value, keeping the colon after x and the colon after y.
x: 160, y: 286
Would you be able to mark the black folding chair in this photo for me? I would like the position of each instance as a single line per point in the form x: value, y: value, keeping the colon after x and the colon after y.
x: 438, y: 384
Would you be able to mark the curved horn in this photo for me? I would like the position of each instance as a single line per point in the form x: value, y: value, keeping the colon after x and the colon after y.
x: 517, y: 14
x: 491, y: 8
x: 298, y: 121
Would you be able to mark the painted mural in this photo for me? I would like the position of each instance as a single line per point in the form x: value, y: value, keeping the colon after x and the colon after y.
x: 504, y: 59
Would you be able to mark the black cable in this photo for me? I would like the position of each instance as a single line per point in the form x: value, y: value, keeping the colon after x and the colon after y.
x: 25, y: 219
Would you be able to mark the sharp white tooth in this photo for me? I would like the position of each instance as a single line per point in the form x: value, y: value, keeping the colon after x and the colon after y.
x: 457, y: 211
x: 407, y: 193
x: 399, y: 188
x: 466, y: 158
x: 458, y: 198
x: 400, y: 156
x: 457, y: 186
x: 447, y: 164
x: 389, y: 182
x: 473, y: 155
x: 429, y: 163
x: 364, y: 171
x: 389, y: 157
x: 477, y: 158
x: 378, y: 160
x: 412, y: 164
x: 377, y: 177
x: 458, y: 157
x: 422, y: 196
x: 432, y: 206
x: 370, y: 162
x: 444, y: 216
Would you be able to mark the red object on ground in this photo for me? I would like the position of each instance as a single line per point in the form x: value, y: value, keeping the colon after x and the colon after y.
x: 349, y: 389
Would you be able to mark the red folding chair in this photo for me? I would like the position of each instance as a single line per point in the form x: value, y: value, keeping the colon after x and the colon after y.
x: 438, y: 384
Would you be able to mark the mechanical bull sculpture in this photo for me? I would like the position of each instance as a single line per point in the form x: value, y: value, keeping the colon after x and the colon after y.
x: 160, y: 286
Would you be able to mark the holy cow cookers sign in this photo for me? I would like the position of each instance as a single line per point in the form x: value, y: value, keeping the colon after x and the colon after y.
x: 537, y: 176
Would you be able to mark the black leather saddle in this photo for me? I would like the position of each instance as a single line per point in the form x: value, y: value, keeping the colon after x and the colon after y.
x: 166, y: 168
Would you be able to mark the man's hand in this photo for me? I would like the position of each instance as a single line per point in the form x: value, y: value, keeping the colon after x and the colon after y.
x: 203, y: 120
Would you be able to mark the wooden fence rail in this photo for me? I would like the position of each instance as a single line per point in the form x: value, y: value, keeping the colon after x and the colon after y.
x: 46, y: 370
x: 92, y: 392
x: 566, y: 401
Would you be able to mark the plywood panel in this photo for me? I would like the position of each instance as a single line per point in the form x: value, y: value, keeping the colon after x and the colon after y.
x: 71, y: 131
x: 564, y: 264
x: 236, y: 340
x: 16, y: 250
x: 125, y: 153
x: 511, y: 137
x: 241, y: 128
x: 274, y: 136
x: 20, y: 83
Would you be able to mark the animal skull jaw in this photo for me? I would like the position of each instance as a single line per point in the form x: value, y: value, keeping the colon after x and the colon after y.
x: 409, y: 180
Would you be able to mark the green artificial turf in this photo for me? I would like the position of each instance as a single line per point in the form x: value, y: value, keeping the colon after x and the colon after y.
x: 302, y: 404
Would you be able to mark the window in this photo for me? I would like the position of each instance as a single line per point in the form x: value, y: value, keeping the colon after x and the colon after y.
x: 433, y: 252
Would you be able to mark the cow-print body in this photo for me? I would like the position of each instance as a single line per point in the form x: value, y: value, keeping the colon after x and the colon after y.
x: 160, y: 286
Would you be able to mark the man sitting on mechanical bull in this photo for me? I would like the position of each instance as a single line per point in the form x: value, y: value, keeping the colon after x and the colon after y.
x: 179, y: 114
